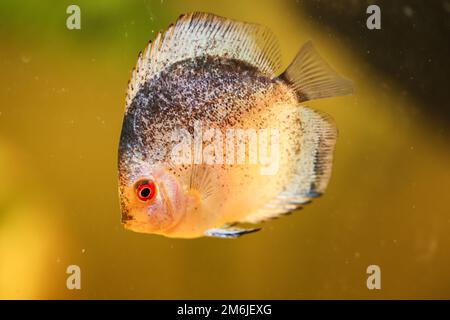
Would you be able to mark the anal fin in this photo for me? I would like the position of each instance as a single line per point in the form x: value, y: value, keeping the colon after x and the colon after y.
x: 229, y: 232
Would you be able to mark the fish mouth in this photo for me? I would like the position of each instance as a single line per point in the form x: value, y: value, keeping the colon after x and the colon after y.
x: 124, y: 212
x: 126, y: 217
x: 137, y: 226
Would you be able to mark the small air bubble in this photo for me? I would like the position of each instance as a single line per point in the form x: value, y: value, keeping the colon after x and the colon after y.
x: 25, y: 59
x: 408, y: 11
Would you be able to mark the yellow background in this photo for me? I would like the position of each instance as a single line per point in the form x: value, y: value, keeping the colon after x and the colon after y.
x: 61, y: 106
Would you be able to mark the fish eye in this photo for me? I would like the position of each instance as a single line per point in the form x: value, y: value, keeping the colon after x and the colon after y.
x: 146, y: 190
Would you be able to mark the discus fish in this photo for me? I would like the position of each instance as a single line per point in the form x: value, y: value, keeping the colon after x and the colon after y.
x: 213, y: 140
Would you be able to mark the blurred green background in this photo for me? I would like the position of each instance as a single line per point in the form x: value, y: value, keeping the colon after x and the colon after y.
x: 61, y: 107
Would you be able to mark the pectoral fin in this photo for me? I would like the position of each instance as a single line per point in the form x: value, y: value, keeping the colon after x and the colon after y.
x: 229, y: 232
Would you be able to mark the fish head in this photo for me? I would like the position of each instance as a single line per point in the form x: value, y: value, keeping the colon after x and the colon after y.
x: 151, y: 202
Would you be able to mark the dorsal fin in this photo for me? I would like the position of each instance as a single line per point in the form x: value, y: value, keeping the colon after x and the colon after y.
x: 198, y: 34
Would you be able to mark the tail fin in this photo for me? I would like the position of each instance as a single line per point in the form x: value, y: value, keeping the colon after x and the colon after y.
x: 313, y: 78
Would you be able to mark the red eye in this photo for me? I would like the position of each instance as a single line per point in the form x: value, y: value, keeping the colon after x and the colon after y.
x: 146, y: 190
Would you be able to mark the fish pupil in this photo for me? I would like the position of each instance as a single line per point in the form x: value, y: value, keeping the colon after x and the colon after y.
x: 145, y: 192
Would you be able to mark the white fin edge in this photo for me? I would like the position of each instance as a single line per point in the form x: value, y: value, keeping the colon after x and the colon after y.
x: 229, y: 232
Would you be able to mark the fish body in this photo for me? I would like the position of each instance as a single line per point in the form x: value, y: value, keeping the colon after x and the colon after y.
x: 212, y: 137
